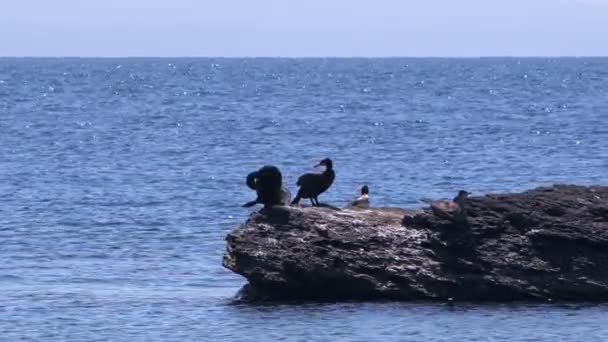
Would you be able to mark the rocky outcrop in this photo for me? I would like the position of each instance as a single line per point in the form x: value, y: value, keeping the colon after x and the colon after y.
x: 544, y: 244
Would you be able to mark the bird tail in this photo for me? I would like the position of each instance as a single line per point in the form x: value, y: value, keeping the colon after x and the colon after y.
x: 296, y: 200
x: 250, y: 204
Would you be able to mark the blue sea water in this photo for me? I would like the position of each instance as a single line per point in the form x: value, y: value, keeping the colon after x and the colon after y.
x: 119, y: 179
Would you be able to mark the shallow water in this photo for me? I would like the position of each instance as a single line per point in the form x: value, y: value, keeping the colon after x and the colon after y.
x: 120, y: 178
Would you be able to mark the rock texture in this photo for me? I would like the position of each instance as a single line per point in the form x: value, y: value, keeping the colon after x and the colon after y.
x: 544, y: 244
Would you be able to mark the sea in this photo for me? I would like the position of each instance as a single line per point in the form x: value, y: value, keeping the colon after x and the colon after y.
x: 120, y: 178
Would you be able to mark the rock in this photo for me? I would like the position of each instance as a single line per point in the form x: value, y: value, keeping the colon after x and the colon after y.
x: 545, y: 244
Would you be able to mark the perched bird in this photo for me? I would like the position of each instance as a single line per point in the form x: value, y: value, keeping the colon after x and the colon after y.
x: 363, y: 200
x: 455, y: 210
x: 267, y: 182
x: 313, y: 184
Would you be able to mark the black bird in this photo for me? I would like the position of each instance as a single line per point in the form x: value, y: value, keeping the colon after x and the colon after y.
x: 267, y: 182
x: 313, y: 184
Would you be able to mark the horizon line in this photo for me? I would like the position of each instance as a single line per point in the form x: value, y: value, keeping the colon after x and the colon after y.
x: 299, y: 57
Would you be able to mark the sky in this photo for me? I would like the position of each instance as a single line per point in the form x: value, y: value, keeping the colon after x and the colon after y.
x: 303, y: 28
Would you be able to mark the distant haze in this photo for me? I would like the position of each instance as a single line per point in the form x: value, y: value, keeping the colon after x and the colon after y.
x: 304, y: 28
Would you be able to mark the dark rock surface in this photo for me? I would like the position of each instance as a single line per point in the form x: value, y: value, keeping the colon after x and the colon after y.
x: 544, y: 244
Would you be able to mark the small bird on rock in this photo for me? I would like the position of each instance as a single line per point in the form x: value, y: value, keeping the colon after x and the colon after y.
x: 363, y: 200
x: 455, y: 210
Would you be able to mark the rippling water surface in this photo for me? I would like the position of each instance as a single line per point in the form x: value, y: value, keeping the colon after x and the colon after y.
x: 119, y: 179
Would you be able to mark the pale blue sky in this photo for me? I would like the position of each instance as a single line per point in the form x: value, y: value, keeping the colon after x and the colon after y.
x: 303, y: 27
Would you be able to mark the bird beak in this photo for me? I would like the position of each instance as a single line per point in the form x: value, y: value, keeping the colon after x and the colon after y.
x: 318, y: 165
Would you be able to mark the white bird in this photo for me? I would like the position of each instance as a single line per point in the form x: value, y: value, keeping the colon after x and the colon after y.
x: 363, y: 200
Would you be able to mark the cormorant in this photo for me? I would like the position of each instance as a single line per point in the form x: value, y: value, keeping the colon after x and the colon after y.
x: 363, y: 200
x: 313, y: 184
x: 455, y: 210
x: 267, y: 182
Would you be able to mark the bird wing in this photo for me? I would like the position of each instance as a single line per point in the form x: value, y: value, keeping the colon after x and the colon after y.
x: 361, y: 201
x: 306, y: 179
x: 445, y: 209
